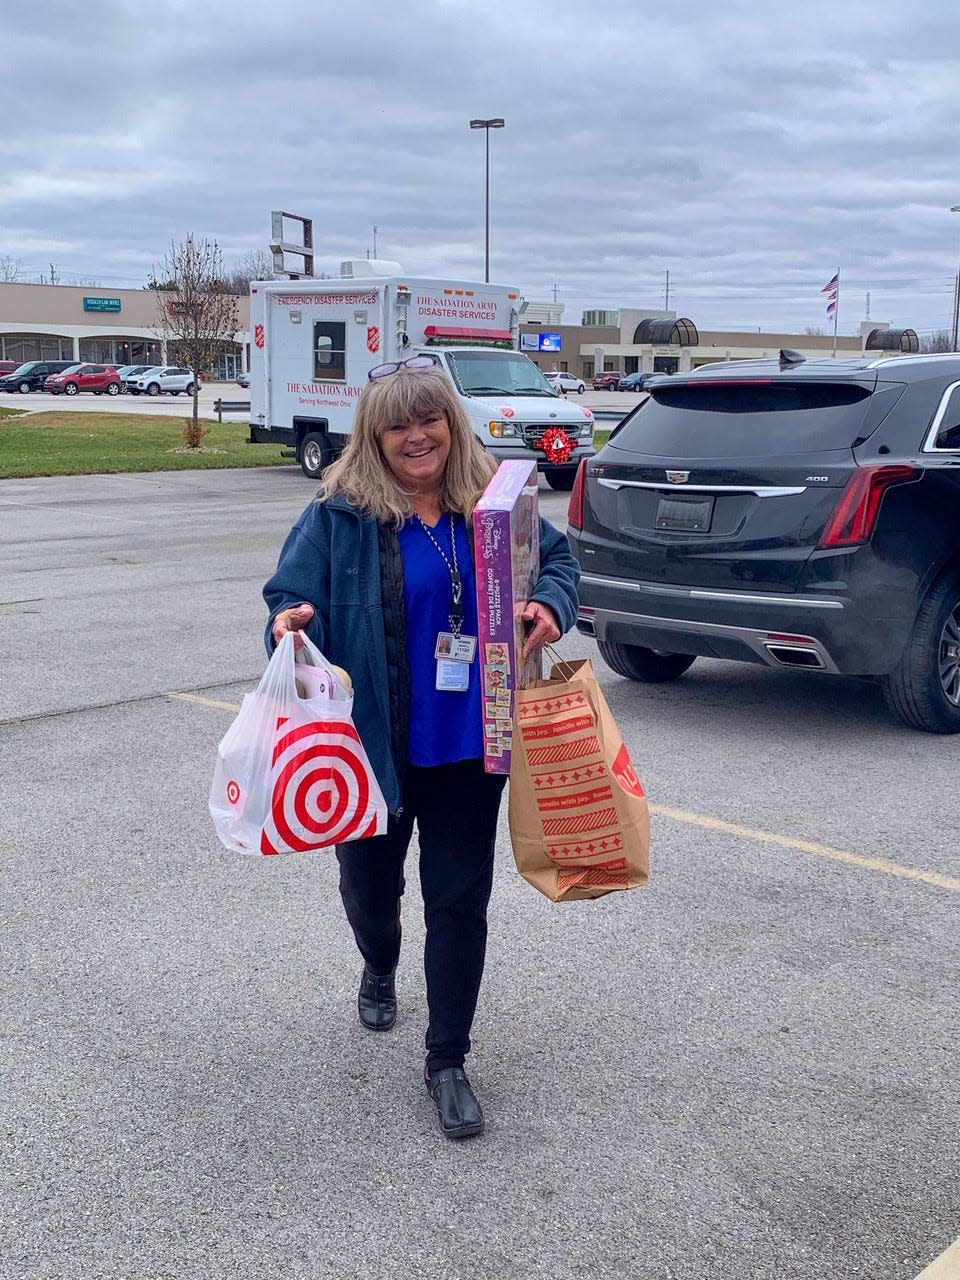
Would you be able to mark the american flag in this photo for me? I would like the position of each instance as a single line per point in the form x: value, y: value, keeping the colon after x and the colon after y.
x: 831, y: 308
x: 831, y: 284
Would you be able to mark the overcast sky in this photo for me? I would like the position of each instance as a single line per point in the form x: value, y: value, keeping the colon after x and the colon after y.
x: 750, y: 149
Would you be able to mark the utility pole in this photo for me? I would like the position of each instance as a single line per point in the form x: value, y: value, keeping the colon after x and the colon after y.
x: 555, y: 292
x: 666, y: 295
x: 53, y: 274
x: 867, y: 316
x: 375, y: 240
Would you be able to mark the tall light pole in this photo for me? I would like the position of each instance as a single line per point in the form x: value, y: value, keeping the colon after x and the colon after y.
x: 956, y: 293
x: 487, y: 125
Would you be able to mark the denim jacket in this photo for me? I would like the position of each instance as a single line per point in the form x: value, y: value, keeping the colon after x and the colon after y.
x: 332, y: 560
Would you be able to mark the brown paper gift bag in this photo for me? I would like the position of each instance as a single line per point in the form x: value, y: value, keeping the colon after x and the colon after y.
x: 578, y: 814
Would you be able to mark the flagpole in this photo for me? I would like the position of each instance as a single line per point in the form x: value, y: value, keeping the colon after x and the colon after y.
x: 836, y: 314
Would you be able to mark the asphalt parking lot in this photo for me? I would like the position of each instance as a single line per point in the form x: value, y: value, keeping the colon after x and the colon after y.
x: 746, y: 1069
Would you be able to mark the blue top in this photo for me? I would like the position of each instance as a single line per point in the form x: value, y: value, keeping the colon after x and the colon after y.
x: 331, y: 558
x: 445, y: 726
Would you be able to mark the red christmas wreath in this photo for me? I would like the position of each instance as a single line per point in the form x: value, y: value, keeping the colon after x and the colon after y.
x: 556, y: 444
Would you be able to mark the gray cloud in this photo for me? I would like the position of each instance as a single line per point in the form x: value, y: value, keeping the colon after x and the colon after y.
x: 747, y: 150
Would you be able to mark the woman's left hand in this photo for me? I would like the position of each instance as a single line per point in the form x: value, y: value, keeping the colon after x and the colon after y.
x: 542, y: 625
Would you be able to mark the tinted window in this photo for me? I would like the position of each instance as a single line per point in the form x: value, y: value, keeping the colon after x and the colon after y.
x: 739, y: 421
x: 948, y: 427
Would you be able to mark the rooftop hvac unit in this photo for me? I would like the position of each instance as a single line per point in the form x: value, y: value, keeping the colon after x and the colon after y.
x: 364, y: 268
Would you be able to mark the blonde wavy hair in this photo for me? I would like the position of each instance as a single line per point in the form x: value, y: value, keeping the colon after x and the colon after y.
x: 361, y: 474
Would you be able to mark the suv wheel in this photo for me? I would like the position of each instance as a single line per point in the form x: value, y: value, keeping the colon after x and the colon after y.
x: 153, y: 389
x: 113, y: 389
x: 23, y: 388
x: 71, y: 388
x: 649, y: 666
x: 923, y: 690
x: 314, y: 453
x: 189, y: 388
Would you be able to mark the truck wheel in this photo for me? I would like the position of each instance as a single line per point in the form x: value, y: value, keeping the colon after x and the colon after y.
x: 648, y: 666
x: 314, y: 453
x: 562, y: 481
x: 923, y: 689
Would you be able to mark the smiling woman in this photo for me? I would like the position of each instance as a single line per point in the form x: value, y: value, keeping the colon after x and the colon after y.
x: 379, y: 573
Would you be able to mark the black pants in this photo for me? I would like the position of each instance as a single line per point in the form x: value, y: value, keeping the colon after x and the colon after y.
x: 455, y: 807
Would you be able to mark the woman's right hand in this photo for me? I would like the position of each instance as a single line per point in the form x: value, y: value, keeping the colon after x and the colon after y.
x: 293, y: 619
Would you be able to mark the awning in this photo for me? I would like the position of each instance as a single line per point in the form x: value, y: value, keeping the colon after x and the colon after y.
x: 474, y: 335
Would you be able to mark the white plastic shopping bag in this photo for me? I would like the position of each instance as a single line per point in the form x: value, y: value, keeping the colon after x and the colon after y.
x: 291, y: 772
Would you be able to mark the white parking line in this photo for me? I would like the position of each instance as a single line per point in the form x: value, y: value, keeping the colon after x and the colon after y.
x: 883, y: 865
x: 946, y: 1267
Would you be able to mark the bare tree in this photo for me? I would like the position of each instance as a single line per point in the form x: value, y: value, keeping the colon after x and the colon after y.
x: 814, y: 330
x: 255, y: 264
x: 198, y: 313
x: 939, y: 340
x: 11, y: 269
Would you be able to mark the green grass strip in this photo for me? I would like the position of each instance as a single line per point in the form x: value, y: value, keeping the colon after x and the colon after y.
x: 78, y: 443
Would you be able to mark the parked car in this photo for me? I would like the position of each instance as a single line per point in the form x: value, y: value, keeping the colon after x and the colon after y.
x: 794, y: 513
x: 606, y: 381
x: 635, y: 381
x: 32, y: 375
x: 172, y: 378
x: 128, y: 372
x: 564, y: 382
x: 243, y: 379
x: 8, y: 366
x: 98, y: 378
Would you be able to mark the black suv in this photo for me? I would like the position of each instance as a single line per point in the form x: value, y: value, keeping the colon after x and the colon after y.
x: 32, y: 375
x: 798, y: 513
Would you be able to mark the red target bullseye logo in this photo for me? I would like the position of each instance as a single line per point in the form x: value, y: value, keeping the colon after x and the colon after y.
x: 321, y: 792
x: 233, y: 791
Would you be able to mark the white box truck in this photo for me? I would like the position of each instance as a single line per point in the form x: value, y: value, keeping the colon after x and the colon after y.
x: 314, y: 342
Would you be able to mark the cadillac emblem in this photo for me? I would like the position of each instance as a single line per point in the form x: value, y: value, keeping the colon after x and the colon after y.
x: 678, y: 477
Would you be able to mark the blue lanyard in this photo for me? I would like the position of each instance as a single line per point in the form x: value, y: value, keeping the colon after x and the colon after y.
x: 456, y: 582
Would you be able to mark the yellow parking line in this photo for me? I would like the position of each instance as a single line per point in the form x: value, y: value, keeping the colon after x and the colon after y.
x: 808, y: 846
x: 204, y: 702
x: 746, y: 833
x: 946, y: 1267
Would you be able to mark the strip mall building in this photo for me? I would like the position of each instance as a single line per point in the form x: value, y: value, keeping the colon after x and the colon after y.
x: 124, y: 326
x: 104, y: 326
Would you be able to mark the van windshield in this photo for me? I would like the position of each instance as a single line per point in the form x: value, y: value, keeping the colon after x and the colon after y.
x: 502, y: 373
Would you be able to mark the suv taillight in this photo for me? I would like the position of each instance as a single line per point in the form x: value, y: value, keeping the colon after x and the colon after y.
x: 575, y: 509
x: 855, y: 514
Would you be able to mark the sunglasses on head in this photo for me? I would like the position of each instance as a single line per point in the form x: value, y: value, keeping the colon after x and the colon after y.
x: 414, y: 364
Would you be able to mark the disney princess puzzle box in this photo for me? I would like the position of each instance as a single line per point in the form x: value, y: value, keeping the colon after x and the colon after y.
x: 506, y: 541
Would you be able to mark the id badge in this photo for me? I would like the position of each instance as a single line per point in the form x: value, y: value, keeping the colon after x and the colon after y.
x: 452, y: 676
x: 455, y: 648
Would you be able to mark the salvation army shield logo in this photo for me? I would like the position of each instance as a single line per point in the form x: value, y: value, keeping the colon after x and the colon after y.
x: 321, y: 791
x: 373, y: 338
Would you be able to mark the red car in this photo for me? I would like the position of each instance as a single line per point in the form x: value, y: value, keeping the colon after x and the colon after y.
x: 98, y: 378
x: 606, y: 381
x: 8, y: 366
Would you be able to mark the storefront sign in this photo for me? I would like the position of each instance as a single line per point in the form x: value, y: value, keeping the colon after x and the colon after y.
x: 101, y: 304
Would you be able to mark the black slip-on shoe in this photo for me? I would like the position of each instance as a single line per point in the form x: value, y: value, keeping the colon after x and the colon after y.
x: 377, y: 1000
x: 456, y: 1103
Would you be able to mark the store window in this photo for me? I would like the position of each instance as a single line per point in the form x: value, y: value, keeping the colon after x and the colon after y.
x: 35, y: 346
